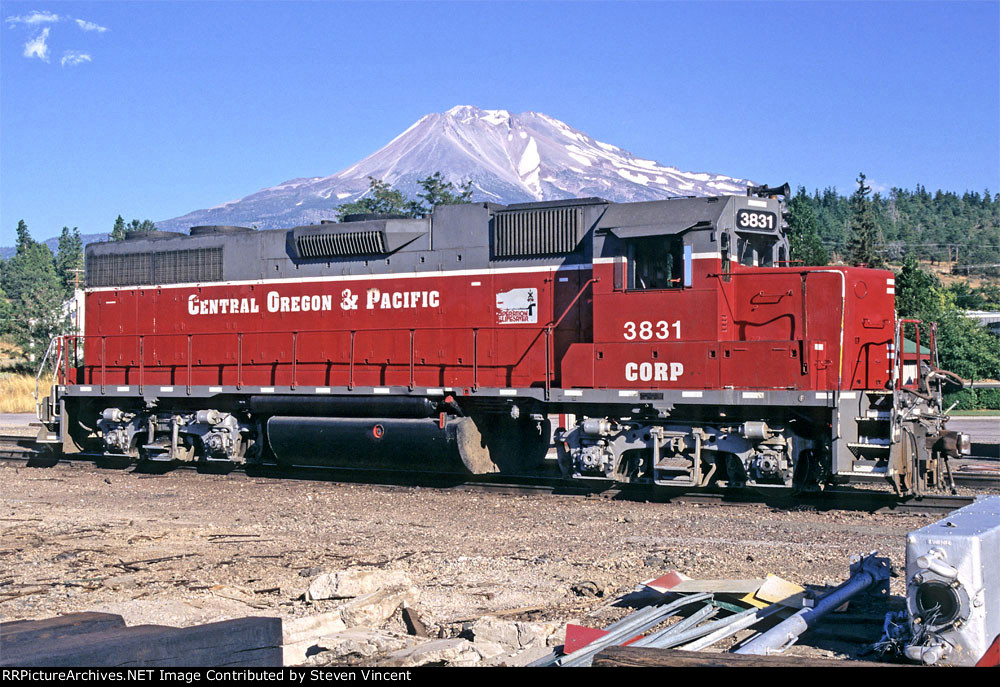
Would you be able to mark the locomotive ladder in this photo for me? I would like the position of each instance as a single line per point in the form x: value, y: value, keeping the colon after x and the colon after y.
x: 874, y: 432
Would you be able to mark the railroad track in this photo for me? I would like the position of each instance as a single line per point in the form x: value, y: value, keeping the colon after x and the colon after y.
x: 21, y: 450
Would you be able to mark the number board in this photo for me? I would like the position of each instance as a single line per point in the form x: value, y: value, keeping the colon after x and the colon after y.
x: 759, y: 220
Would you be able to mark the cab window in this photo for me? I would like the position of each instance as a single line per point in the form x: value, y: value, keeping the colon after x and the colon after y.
x: 657, y: 262
x: 755, y: 251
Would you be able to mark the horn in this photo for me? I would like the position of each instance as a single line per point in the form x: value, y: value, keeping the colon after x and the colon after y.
x: 765, y: 191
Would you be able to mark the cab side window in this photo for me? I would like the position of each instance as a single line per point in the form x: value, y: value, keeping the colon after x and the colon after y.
x: 755, y: 251
x: 656, y: 262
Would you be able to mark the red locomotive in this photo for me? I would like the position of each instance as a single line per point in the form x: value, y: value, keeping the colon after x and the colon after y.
x: 673, y: 340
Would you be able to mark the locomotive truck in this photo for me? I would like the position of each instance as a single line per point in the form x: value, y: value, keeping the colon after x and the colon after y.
x: 673, y: 340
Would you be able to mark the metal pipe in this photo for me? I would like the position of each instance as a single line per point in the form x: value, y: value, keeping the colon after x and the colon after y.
x: 640, y: 622
x: 709, y: 634
x: 295, y: 352
x: 666, y: 633
x: 865, y: 573
x: 740, y: 621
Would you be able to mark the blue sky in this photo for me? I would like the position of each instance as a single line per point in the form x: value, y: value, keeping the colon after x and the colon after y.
x: 184, y: 105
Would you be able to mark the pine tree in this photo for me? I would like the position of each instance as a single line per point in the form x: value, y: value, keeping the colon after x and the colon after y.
x: 36, y: 295
x: 24, y: 240
x: 865, y: 242
x: 144, y: 225
x: 803, y: 232
x: 917, y: 291
x: 380, y: 199
x: 6, y: 309
x: 69, y: 259
x: 437, y: 191
x: 118, y: 232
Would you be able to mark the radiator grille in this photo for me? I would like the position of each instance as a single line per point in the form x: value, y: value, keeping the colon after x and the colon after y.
x: 537, y: 232
x: 165, y: 267
x: 335, y: 245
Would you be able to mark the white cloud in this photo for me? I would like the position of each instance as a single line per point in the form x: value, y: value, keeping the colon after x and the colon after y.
x: 90, y: 26
x: 34, y: 17
x: 38, y: 47
x: 73, y: 58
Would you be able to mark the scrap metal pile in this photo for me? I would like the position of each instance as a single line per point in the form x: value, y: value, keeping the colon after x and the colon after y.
x: 710, y: 611
x: 952, y: 614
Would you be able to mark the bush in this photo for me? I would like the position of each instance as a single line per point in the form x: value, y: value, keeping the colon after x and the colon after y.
x: 988, y: 398
x: 966, y: 399
x: 974, y: 399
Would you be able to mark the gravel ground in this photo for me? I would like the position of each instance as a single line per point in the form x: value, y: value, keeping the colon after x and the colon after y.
x: 77, y: 538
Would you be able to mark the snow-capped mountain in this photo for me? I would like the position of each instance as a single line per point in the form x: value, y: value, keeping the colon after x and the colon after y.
x: 508, y: 157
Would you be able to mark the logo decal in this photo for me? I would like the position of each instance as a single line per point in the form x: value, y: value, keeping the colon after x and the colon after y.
x: 517, y: 306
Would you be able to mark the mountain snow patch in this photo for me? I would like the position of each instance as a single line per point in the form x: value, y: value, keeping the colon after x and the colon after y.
x: 468, y: 143
x: 529, y: 159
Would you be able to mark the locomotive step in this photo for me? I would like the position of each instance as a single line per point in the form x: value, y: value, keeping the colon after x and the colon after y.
x: 674, y: 464
x: 45, y: 435
x: 860, y: 450
x: 872, y: 442
x: 867, y: 469
x: 157, y: 453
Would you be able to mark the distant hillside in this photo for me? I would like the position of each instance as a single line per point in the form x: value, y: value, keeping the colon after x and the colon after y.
x: 962, y: 230
x: 7, y: 252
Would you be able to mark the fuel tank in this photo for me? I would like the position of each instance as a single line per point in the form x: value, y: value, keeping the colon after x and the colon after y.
x: 454, y: 445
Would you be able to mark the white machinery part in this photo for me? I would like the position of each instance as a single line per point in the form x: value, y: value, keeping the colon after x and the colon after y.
x: 952, y: 585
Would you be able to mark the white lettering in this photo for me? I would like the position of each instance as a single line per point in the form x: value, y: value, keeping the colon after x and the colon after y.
x: 275, y: 302
x: 646, y: 372
x: 649, y: 372
x: 660, y: 372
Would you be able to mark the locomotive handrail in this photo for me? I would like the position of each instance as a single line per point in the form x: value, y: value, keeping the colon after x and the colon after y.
x: 592, y: 280
x: 547, y: 330
x: 188, y: 362
x: 57, y: 341
x: 548, y: 334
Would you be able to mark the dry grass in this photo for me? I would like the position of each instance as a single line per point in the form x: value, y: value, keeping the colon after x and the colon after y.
x: 16, y: 392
